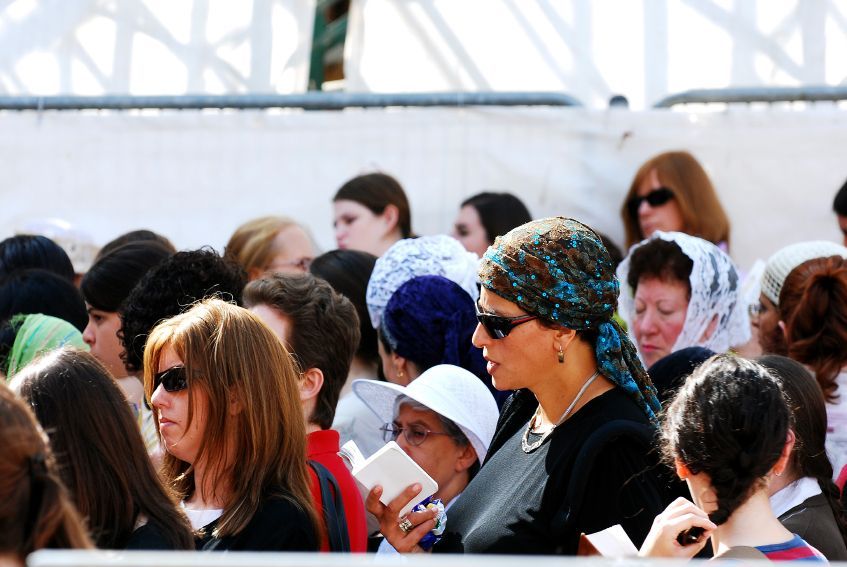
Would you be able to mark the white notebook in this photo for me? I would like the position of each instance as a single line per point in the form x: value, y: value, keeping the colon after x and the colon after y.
x: 391, y: 468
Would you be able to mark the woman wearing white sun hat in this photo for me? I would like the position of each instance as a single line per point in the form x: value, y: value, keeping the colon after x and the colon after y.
x: 444, y: 420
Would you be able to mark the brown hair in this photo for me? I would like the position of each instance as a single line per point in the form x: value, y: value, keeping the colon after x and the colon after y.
x: 251, y: 245
x: 376, y: 191
x: 702, y: 213
x: 101, y: 455
x: 324, y: 331
x: 35, y: 510
x: 813, y: 307
x: 226, y: 351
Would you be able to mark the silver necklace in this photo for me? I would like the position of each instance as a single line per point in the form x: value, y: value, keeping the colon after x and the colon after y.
x: 530, y: 447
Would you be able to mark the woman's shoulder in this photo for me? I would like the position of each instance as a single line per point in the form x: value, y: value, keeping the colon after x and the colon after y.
x: 149, y: 536
x: 795, y: 549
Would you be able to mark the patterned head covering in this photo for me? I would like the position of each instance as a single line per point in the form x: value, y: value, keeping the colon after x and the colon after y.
x: 425, y: 256
x: 430, y: 320
x: 715, y: 292
x: 558, y: 269
x: 39, y: 334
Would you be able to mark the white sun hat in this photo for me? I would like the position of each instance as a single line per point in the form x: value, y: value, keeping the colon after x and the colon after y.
x: 448, y: 390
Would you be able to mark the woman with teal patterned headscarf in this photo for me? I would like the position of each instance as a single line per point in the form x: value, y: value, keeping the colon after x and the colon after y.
x: 571, y: 452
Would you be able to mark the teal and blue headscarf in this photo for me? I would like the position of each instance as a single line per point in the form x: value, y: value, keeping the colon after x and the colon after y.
x: 558, y: 269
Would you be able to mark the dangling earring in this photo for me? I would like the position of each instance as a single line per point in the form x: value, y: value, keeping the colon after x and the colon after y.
x: 400, y: 373
x: 561, y: 355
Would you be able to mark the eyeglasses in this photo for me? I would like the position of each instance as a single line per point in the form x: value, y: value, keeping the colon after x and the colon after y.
x: 414, y: 435
x: 173, y: 379
x: 655, y: 198
x: 302, y: 264
x: 499, y: 327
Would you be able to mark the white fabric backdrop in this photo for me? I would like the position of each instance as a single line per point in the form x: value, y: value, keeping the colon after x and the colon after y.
x: 196, y: 176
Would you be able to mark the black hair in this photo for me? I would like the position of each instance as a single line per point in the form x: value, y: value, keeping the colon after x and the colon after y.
x: 172, y: 288
x: 659, y: 259
x: 498, y: 212
x: 839, y: 204
x: 807, y: 404
x: 34, y: 251
x: 141, y: 235
x: 40, y: 291
x: 729, y: 420
x: 108, y: 283
x: 376, y: 191
x: 348, y: 272
x: 670, y: 372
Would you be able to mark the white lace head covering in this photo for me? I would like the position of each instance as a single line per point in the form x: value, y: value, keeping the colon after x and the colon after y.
x: 409, y: 258
x: 715, y: 292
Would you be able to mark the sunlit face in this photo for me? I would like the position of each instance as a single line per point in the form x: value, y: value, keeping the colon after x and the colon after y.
x: 523, y: 357
x: 101, y: 334
x: 666, y: 217
x: 179, y: 438
x: 469, y: 231
x: 439, y: 454
x: 358, y: 228
x: 660, y: 310
x: 292, y: 252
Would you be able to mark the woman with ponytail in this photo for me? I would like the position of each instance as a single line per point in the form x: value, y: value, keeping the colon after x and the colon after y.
x: 35, y: 510
x: 813, y: 318
x: 728, y: 434
x: 804, y: 498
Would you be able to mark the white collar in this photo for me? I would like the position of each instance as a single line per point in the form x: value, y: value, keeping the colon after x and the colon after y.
x: 795, y: 493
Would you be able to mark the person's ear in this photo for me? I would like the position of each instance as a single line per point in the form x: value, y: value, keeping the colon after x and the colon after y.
x: 784, y: 329
x: 710, y: 330
x: 311, y: 382
x: 785, y: 455
x: 402, y: 372
x: 562, y: 339
x: 391, y: 216
x: 466, y: 459
x: 681, y: 470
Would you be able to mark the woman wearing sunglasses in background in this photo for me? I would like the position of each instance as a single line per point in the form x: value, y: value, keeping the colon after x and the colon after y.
x: 569, y: 453
x: 672, y: 192
x: 228, y: 410
x: 443, y: 420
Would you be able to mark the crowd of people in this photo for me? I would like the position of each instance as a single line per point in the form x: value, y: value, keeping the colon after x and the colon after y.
x: 549, y: 384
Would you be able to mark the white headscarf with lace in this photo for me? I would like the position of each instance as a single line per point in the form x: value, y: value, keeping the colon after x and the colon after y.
x: 715, y: 295
x: 438, y: 255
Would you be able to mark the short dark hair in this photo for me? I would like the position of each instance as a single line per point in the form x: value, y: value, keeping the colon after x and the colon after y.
x: 324, y: 331
x: 34, y: 251
x: 348, y: 272
x: 41, y: 291
x: 171, y: 288
x: 839, y: 204
x: 498, y: 212
x: 662, y: 260
x: 110, y: 280
x: 376, y: 191
x: 141, y: 235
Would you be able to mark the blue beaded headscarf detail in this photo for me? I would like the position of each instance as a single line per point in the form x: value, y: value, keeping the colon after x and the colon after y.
x: 558, y: 269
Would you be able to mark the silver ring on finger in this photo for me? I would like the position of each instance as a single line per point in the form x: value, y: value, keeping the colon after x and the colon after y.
x: 405, y: 524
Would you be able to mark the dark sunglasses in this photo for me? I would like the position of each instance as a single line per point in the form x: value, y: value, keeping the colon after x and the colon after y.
x: 499, y: 327
x: 655, y: 198
x: 173, y: 379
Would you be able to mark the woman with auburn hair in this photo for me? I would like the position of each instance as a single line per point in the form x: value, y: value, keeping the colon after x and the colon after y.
x: 672, y: 192
x: 227, y: 405
x: 271, y: 244
x: 101, y: 457
x: 35, y: 510
x: 813, y: 317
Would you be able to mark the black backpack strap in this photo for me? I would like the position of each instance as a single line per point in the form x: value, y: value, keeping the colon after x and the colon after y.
x: 591, y: 447
x: 333, y: 508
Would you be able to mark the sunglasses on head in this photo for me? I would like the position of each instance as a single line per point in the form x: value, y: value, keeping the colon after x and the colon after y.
x: 655, y: 198
x: 173, y: 379
x: 499, y: 327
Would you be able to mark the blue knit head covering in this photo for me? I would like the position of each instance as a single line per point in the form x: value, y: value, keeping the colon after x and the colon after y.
x: 558, y: 269
x: 430, y: 320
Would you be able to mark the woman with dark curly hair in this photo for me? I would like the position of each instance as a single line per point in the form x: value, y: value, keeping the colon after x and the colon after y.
x: 727, y: 433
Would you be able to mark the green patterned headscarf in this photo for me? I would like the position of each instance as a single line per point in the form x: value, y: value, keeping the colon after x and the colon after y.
x: 39, y: 334
x: 558, y: 269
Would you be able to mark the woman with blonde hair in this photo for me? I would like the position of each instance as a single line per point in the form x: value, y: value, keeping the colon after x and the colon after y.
x: 227, y: 406
x: 35, y: 510
x: 672, y: 192
x: 271, y: 244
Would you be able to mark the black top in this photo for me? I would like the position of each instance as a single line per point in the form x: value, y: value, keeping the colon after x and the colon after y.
x: 149, y: 536
x: 278, y: 525
x: 517, y: 503
x: 813, y: 520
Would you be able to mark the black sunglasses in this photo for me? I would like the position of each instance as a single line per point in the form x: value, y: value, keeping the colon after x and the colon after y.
x: 173, y: 379
x: 655, y: 198
x: 499, y: 327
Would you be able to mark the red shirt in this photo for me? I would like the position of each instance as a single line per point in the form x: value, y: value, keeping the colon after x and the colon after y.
x: 323, y: 446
